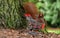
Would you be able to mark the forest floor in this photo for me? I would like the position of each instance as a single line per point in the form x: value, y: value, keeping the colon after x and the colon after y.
x: 10, y: 33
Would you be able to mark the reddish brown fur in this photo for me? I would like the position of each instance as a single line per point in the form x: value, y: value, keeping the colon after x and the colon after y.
x: 31, y: 8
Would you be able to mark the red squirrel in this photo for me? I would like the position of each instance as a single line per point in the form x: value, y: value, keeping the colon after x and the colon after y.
x: 33, y: 16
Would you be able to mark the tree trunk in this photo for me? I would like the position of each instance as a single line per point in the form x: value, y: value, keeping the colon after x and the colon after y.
x: 10, y: 14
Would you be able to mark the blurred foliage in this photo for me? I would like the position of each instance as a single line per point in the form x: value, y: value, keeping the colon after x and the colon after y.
x: 50, y: 9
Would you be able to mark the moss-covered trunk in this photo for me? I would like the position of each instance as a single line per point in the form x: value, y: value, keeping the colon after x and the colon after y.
x: 10, y: 14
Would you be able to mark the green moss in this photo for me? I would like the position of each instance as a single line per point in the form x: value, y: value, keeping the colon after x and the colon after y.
x: 53, y: 31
